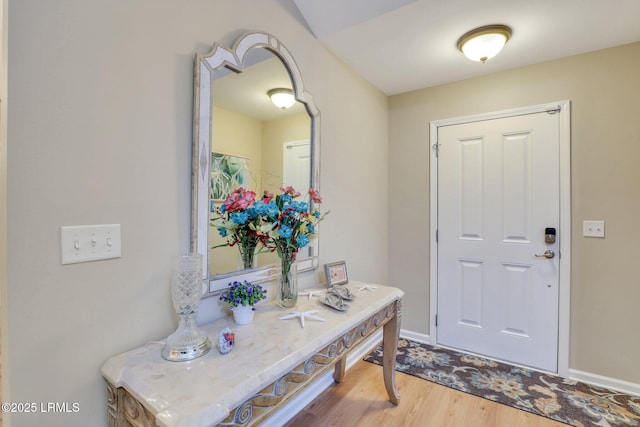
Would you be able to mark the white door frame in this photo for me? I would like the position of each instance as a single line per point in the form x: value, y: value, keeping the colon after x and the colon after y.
x: 563, y: 108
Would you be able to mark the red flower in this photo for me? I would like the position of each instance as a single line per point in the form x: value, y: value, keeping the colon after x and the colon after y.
x: 267, y: 196
x: 315, y: 196
x: 290, y: 191
x: 239, y: 200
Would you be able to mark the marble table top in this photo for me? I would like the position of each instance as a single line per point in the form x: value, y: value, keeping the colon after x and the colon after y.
x: 203, y: 391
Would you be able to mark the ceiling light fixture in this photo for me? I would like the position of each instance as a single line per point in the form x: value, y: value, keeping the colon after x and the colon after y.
x: 484, y: 43
x: 282, y: 98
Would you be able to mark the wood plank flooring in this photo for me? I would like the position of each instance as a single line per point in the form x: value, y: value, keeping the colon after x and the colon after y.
x: 361, y: 401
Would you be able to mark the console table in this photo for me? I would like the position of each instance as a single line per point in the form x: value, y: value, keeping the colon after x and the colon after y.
x: 272, y: 360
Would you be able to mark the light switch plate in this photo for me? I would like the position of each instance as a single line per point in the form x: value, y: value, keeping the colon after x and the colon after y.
x: 593, y: 228
x: 83, y: 243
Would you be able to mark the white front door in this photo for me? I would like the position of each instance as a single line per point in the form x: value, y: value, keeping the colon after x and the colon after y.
x: 498, y: 195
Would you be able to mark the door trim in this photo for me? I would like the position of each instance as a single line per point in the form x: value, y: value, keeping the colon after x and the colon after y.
x: 564, y: 297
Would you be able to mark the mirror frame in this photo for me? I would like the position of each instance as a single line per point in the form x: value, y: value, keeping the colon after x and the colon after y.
x: 205, y: 66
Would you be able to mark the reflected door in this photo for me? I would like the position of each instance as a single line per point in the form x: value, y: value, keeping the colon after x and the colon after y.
x: 498, y: 189
x: 297, y: 165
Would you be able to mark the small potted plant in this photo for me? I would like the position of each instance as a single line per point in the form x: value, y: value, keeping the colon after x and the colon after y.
x: 241, y: 297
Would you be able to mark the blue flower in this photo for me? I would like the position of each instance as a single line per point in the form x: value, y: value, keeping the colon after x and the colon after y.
x: 311, y: 228
x: 300, y: 206
x: 303, y: 240
x: 222, y: 232
x: 239, y: 217
x: 222, y: 209
x: 285, y: 231
x: 252, y: 213
x: 260, y: 207
x: 266, y: 209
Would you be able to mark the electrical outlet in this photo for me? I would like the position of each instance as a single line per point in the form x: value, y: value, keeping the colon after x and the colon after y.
x: 593, y: 228
x: 83, y: 243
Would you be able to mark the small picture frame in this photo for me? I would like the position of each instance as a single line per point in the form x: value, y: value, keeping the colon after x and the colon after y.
x: 336, y: 273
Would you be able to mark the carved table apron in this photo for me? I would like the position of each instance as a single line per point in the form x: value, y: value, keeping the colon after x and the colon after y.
x: 271, y: 362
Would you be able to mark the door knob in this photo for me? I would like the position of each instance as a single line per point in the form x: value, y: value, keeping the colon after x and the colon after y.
x: 547, y: 254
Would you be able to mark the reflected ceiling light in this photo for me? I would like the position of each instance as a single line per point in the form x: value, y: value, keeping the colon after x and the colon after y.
x: 282, y: 98
x: 485, y: 42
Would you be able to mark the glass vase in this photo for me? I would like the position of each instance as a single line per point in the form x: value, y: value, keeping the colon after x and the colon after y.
x: 287, y: 295
x: 247, y: 251
x: 187, y: 342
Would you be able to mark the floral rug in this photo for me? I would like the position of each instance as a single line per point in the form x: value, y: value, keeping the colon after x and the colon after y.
x: 559, y: 399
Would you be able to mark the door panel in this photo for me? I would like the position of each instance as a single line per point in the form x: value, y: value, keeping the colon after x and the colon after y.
x: 498, y: 188
x: 297, y: 165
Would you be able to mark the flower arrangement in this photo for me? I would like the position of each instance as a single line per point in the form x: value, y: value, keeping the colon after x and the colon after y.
x: 243, y: 293
x: 239, y: 222
x: 290, y: 223
x: 282, y: 224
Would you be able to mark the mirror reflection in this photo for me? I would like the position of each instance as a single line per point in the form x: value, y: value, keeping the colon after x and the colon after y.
x: 255, y: 144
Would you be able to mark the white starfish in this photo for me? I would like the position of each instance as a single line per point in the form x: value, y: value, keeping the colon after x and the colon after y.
x: 308, y: 314
x: 311, y: 293
x: 369, y: 288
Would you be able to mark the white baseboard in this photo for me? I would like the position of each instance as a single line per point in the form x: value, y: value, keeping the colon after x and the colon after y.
x: 415, y: 336
x: 606, y: 382
x: 297, y: 404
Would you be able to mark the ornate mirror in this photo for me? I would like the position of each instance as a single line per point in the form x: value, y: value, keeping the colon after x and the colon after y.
x: 241, y: 139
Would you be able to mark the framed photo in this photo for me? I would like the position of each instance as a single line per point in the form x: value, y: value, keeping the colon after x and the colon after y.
x: 228, y: 173
x: 336, y: 273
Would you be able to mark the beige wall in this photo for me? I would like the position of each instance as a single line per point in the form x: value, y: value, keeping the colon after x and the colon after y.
x: 605, y: 100
x: 237, y: 135
x: 275, y: 133
x: 4, y: 392
x: 99, y: 131
x: 262, y: 143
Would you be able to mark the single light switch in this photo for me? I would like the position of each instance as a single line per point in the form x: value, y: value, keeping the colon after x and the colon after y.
x: 83, y: 243
x: 593, y: 228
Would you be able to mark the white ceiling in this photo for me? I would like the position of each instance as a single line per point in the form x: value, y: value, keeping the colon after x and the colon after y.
x: 246, y: 92
x: 404, y: 45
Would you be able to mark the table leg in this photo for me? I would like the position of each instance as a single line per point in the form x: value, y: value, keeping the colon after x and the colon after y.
x: 338, y: 373
x: 390, y: 336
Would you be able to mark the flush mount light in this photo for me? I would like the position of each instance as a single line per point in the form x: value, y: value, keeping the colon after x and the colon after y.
x: 485, y: 42
x: 282, y: 98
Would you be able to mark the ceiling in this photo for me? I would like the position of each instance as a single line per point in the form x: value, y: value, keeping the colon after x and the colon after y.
x: 404, y: 45
x: 246, y: 92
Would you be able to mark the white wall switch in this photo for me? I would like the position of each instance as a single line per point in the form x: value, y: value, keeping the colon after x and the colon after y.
x: 593, y: 228
x: 84, y: 243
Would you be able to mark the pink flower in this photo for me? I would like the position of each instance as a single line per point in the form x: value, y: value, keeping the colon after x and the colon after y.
x: 290, y: 190
x: 267, y: 196
x: 239, y: 200
x: 315, y: 196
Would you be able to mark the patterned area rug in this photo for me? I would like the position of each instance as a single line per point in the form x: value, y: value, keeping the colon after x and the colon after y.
x: 559, y: 399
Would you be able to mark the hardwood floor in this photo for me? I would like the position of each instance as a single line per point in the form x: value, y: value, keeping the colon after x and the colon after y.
x: 361, y: 401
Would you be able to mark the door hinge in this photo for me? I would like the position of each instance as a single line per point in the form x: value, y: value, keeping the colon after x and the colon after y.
x: 436, y: 236
x: 436, y: 320
x: 436, y: 148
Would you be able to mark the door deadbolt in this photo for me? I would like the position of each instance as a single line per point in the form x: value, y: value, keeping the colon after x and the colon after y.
x: 550, y: 235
